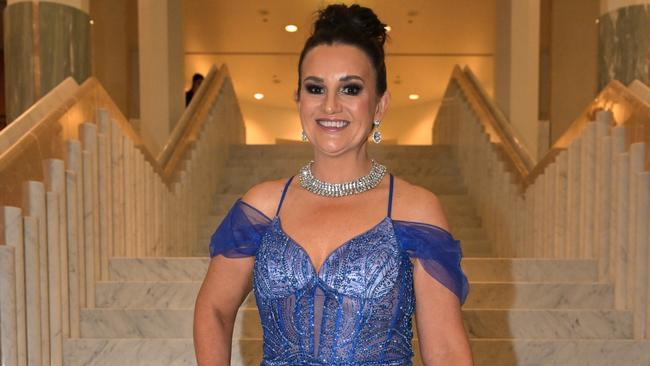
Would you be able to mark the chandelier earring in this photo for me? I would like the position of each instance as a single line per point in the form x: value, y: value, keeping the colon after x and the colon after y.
x: 303, y: 136
x: 376, y: 134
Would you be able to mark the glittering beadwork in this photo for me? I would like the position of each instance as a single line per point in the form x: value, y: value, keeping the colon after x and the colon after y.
x: 359, y: 185
x: 355, y: 310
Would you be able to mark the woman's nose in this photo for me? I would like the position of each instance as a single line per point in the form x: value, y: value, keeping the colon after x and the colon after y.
x: 331, y: 103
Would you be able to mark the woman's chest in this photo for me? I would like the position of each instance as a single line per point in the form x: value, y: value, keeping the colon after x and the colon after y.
x: 366, y: 266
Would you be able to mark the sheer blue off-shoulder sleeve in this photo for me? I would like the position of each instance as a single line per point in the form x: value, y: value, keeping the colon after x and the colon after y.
x: 240, y: 232
x: 437, y: 250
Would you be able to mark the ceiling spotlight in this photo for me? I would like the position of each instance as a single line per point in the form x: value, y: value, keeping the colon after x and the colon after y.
x: 387, y: 28
x: 258, y: 96
x: 92, y: 22
x: 291, y: 28
x: 414, y: 96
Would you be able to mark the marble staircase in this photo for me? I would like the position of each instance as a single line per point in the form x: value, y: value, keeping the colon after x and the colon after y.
x: 520, y: 311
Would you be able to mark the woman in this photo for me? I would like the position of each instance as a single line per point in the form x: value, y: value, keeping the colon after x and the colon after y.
x: 336, y: 269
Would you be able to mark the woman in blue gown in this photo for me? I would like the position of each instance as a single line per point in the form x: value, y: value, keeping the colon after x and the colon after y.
x: 341, y: 257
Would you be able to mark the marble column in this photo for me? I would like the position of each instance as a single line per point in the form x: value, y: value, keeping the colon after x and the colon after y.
x: 161, y: 69
x: 624, y: 42
x: 45, y: 42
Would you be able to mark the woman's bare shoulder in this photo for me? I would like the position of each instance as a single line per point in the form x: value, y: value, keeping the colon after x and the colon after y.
x: 265, y: 196
x: 415, y: 203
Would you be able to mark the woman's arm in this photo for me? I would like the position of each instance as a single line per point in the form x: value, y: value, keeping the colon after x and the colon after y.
x: 224, y: 288
x: 441, y: 335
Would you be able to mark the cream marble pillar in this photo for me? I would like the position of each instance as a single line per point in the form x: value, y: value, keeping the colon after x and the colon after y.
x: 54, y: 274
x: 560, y: 228
x: 73, y: 160
x: 622, y: 213
x: 34, y: 206
x: 603, y: 205
x: 637, y: 160
x: 104, y: 174
x: 117, y: 162
x: 54, y: 172
x: 75, y: 283
x: 573, y: 208
x: 32, y: 291
x: 641, y: 259
x: 8, y: 326
x: 161, y: 69
x: 618, y: 147
x: 11, y: 234
x: 129, y: 197
x: 587, y: 190
x: 88, y: 134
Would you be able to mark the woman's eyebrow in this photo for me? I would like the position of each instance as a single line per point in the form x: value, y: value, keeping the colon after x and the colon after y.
x: 314, y: 78
x: 351, y: 77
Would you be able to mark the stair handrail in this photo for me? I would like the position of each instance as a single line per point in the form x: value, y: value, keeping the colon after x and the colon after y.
x: 507, y: 140
x: 494, y: 123
x: 190, y: 114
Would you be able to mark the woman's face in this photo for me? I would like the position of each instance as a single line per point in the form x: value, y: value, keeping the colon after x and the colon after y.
x: 338, y: 100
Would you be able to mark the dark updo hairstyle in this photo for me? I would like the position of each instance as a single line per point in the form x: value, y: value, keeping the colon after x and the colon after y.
x: 350, y: 25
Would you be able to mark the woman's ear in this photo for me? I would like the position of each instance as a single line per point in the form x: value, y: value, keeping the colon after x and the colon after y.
x: 382, y: 106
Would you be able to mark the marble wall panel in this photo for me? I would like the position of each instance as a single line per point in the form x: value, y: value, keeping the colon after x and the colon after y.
x: 19, y: 63
x: 64, y: 44
x: 624, y: 42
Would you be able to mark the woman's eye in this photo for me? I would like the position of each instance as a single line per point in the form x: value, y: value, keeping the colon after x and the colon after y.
x: 314, y: 89
x: 351, y: 89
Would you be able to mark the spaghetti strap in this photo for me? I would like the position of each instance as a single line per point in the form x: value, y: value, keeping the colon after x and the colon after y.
x: 284, y: 192
x: 390, y: 195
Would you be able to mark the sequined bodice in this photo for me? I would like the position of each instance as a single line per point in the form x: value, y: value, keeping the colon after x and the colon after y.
x: 357, y: 308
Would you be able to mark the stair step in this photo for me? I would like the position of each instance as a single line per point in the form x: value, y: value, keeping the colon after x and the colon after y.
x: 179, y: 295
x: 245, y: 352
x: 476, y: 269
x: 530, y: 324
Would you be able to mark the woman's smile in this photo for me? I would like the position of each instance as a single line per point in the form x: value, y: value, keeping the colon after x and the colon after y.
x: 332, y: 125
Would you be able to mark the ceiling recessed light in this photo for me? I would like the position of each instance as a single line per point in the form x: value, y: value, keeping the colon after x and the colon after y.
x: 414, y: 96
x: 387, y: 28
x: 258, y: 96
x: 291, y: 28
x: 92, y: 22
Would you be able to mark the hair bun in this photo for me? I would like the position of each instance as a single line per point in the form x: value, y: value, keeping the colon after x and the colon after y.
x: 353, y: 19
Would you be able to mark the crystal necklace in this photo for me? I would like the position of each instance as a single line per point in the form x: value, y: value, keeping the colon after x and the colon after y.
x: 359, y: 185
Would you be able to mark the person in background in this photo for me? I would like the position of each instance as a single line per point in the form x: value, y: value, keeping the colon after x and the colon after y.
x: 197, y: 79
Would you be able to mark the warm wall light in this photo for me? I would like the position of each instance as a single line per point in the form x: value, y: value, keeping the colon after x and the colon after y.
x: 414, y: 96
x: 258, y: 96
x: 92, y: 22
x: 387, y: 28
x: 291, y: 28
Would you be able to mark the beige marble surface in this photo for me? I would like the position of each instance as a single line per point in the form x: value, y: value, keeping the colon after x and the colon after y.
x: 33, y: 290
x: 11, y: 234
x: 54, y: 278
x: 8, y: 326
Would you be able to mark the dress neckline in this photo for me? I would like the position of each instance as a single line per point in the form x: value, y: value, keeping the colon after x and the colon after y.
x: 336, y: 250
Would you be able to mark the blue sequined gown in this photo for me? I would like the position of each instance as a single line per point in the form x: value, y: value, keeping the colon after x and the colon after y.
x: 357, y: 309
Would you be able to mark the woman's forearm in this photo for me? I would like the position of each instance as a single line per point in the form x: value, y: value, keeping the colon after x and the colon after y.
x: 212, y: 336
